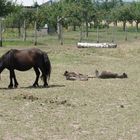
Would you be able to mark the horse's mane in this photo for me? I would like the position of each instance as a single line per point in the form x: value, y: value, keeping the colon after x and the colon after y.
x: 7, y: 55
x: 8, y: 52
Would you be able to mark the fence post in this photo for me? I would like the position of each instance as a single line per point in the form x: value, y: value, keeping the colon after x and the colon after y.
x: 113, y: 33
x: 97, y: 34
x: 126, y: 33
x: 81, y: 33
x: 106, y: 30
x: 61, y: 34
x: 24, y: 31
x: 35, y: 31
x: 136, y: 36
x: 0, y: 33
x: 60, y: 30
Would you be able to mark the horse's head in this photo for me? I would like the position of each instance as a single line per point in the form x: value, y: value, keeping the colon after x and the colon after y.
x: 1, y: 67
x: 4, y: 60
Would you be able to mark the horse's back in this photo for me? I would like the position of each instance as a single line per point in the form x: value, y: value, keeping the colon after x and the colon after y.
x: 34, y: 52
x: 27, y: 58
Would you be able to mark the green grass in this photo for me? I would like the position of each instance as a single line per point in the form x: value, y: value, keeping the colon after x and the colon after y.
x: 74, y: 110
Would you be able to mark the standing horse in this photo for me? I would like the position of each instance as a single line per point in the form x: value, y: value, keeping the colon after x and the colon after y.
x: 24, y: 60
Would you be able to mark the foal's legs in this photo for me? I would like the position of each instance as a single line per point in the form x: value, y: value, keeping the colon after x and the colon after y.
x: 12, y: 76
x: 37, y: 76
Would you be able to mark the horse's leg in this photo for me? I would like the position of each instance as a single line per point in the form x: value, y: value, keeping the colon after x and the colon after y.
x: 44, y: 77
x: 37, y: 76
x: 11, y: 79
x: 15, y: 80
x: 12, y: 76
x: 45, y: 80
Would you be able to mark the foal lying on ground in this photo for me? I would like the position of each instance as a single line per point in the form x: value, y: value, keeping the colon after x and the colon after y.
x: 107, y: 74
x: 103, y: 75
x: 76, y: 76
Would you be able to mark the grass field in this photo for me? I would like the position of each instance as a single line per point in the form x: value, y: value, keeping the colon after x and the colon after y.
x: 74, y: 110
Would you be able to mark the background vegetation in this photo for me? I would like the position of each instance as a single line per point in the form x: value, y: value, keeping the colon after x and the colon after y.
x: 85, y: 16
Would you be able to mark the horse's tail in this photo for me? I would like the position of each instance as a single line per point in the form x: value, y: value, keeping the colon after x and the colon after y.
x: 47, y: 65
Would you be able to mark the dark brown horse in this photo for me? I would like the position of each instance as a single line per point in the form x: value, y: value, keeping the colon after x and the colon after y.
x: 24, y: 60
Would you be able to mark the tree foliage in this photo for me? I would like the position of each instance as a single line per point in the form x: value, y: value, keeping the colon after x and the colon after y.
x: 6, y: 7
x: 135, y: 12
x: 75, y: 13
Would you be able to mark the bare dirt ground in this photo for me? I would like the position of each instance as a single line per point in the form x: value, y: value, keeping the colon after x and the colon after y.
x: 96, y: 109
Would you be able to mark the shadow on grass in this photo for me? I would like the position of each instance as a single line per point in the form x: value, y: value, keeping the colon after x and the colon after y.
x: 40, y: 87
x: 31, y: 87
x: 4, y: 88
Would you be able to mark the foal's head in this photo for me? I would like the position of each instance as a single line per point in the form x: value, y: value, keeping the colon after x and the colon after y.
x: 125, y: 75
x: 96, y: 73
x: 66, y: 73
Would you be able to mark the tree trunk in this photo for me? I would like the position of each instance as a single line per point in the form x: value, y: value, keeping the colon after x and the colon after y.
x: 59, y: 30
x: 81, y: 32
x: 35, y: 33
x: 107, y: 24
x: 74, y: 27
x: 96, y: 45
x: 86, y: 28
x: 90, y: 25
x: 24, y: 32
x: 115, y: 23
x: 19, y: 30
x: 97, y: 34
x: 124, y: 26
x: 0, y: 34
x: 137, y: 26
x: 125, y: 32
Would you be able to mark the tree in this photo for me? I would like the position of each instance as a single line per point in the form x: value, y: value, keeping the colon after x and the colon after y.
x: 79, y: 12
x: 135, y: 11
x: 124, y: 14
x: 49, y: 13
x: 108, y: 9
x: 6, y: 7
x: 87, y: 12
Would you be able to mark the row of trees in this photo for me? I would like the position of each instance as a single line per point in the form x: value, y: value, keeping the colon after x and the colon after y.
x: 75, y: 13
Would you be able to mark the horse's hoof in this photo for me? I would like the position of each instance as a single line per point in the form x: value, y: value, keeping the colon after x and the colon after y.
x: 10, y: 87
x: 45, y: 86
x: 15, y: 86
x: 35, y: 85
